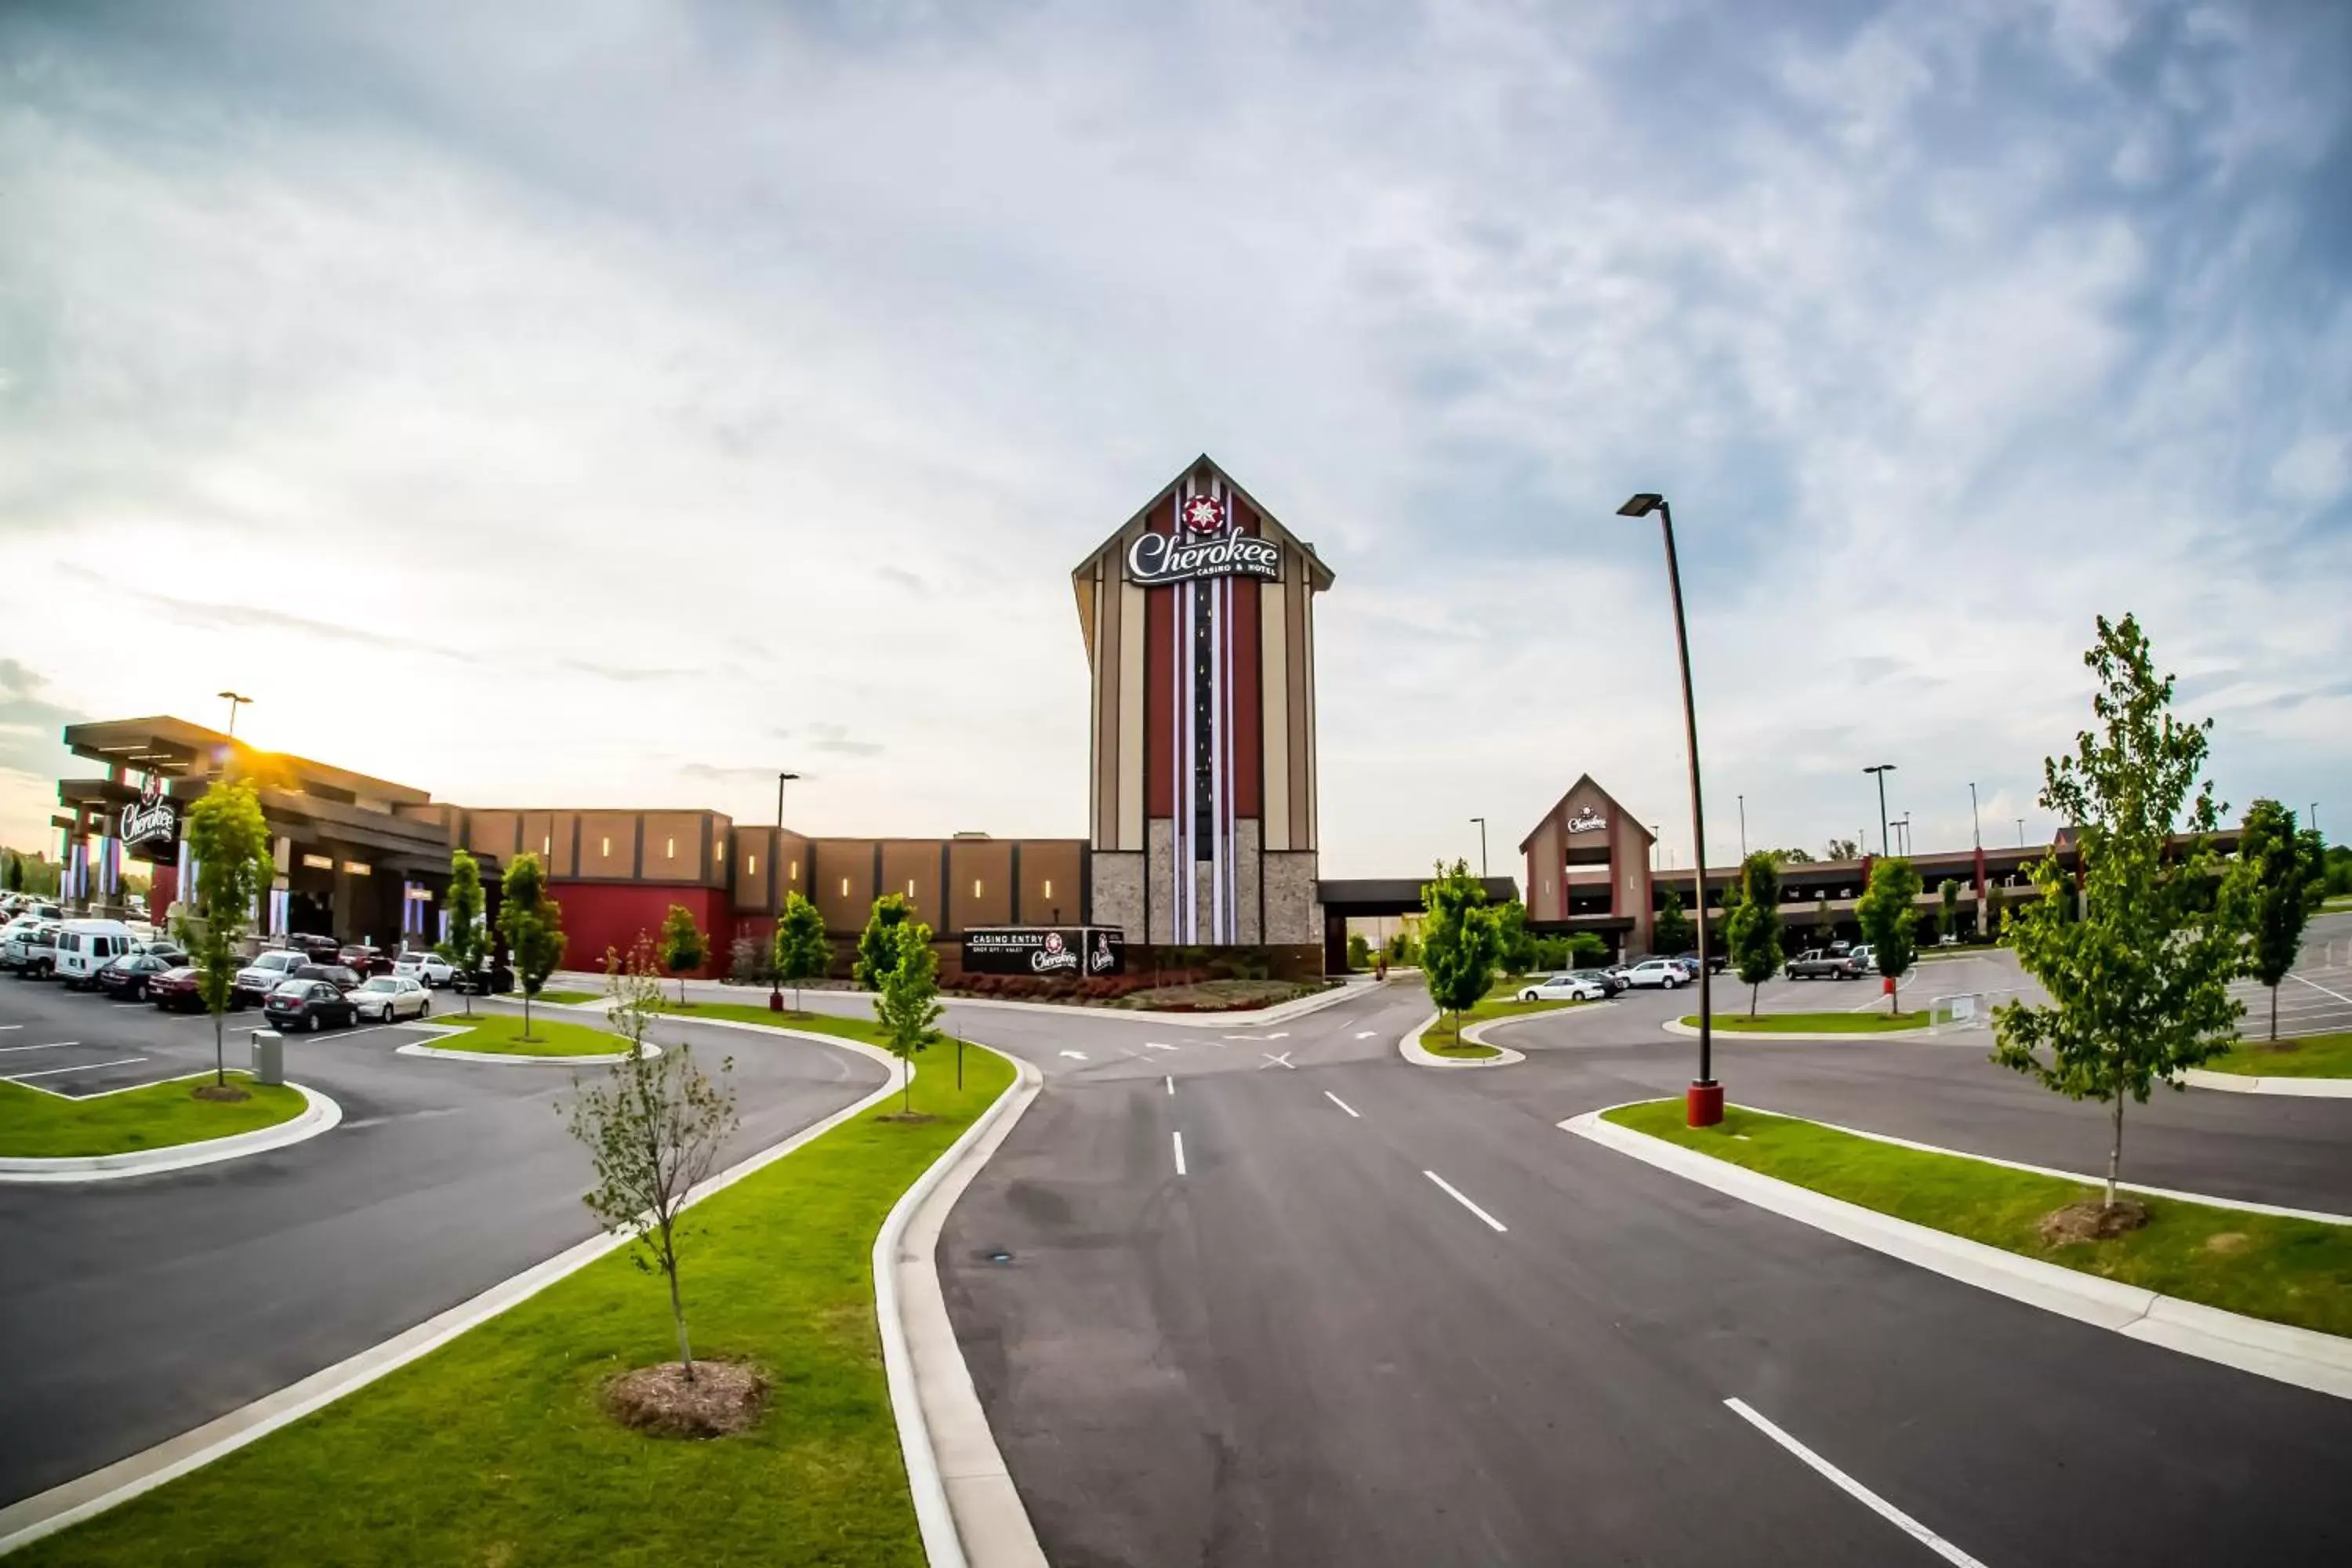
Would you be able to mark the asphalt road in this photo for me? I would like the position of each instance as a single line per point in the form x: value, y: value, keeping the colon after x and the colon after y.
x: 1302, y: 1348
x: 134, y: 1310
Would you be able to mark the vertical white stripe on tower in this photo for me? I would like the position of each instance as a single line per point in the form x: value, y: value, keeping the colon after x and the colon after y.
x: 1216, y: 751
x: 1188, y: 931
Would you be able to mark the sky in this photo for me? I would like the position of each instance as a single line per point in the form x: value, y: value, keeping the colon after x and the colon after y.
x: 613, y: 403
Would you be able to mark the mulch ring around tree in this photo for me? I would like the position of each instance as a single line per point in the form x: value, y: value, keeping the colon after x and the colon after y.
x: 723, y: 1399
x: 219, y: 1091
x: 2091, y: 1220
x: 913, y: 1118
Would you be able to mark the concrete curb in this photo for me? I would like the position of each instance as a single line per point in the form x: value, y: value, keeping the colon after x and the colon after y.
x: 516, y: 1058
x: 319, y: 1114
x: 2307, y: 1359
x: 44, y: 1513
x: 2240, y: 1083
x: 1411, y: 1049
x: 1297, y: 1008
x: 1677, y: 1026
x: 965, y: 1502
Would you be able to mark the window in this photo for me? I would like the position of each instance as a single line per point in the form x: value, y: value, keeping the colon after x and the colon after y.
x: 320, y: 862
x: 359, y: 869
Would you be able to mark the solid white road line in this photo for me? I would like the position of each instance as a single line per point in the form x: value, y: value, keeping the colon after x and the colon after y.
x: 84, y: 1066
x: 11, y: 1025
x: 1855, y: 1489
x: 1171, y: 1083
x: 1452, y: 1192
x: 1279, y: 1035
x: 52, y: 1046
x: 1180, y: 1152
x: 1156, y: 1046
x: 2315, y: 986
x: 1342, y: 1104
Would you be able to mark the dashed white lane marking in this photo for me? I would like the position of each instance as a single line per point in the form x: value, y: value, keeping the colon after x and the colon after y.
x: 1180, y: 1152
x: 1075, y: 1055
x: 1276, y: 1061
x: 1156, y: 1046
x: 52, y: 1046
x: 1278, y: 1035
x: 126, y: 1003
x: 84, y: 1066
x: 1367, y: 1033
x: 1855, y: 1489
x: 1341, y: 1104
x: 1456, y: 1195
x: 11, y: 1025
x: 1171, y: 1083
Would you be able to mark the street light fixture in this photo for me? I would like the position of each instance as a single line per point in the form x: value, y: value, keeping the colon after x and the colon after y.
x: 2021, y: 833
x: 1703, y: 1101
x: 775, y: 853
x: 1481, y: 847
x: 235, y: 702
x: 1882, y: 770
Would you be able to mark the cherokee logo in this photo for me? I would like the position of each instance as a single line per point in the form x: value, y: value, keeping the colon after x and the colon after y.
x: 154, y: 820
x: 1204, y: 514
x: 1054, y: 955
x: 1586, y: 820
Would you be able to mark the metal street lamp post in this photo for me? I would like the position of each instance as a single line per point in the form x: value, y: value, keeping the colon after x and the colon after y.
x: 1882, y: 770
x: 1976, y: 836
x: 235, y: 702
x: 776, y: 880
x: 2021, y: 833
x: 1743, y: 830
x: 1481, y: 847
x: 1703, y: 1101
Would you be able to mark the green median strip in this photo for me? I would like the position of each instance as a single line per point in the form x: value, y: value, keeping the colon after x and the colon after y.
x: 493, y: 1449
x: 501, y: 1033
x: 2313, y: 1055
x: 1813, y: 1022
x: 2295, y: 1272
x: 1440, y: 1040
x: 37, y: 1126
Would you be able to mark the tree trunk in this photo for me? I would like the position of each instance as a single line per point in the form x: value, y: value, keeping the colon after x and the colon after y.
x: 2273, y: 1010
x: 677, y: 1312
x: 1751, y: 999
x: 526, y: 1012
x: 2116, y: 1149
x: 220, y: 1053
x: 907, y: 1088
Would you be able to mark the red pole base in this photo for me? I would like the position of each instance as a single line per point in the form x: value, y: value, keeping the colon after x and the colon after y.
x: 775, y: 1001
x: 1703, y: 1104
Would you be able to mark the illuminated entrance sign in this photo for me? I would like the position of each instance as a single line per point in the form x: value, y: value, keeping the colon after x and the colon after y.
x: 155, y: 820
x: 1209, y: 545
x: 1586, y: 820
x: 1077, y: 951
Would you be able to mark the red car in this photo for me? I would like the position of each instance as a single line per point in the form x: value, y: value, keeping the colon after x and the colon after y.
x: 130, y: 975
x: 363, y: 960
x: 175, y: 990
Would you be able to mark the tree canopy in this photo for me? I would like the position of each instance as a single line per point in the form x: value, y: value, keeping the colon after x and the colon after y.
x: 1461, y: 939
x: 1888, y: 918
x: 1752, y: 924
x: 2278, y: 881
x: 877, y: 949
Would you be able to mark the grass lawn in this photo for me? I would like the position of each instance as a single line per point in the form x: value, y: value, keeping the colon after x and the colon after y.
x: 493, y: 1449
x: 560, y: 998
x: 2311, y: 1055
x: 34, y: 1125
x: 501, y: 1033
x: 1441, y: 1040
x: 2294, y: 1271
x: 1813, y: 1022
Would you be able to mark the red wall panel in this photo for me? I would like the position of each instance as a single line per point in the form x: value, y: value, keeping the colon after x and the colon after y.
x: 1164, y: 751
x: 598, y: 916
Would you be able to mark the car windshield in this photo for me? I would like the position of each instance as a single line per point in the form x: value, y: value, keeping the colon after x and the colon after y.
x: 292, y: 988
x: 381, y: 983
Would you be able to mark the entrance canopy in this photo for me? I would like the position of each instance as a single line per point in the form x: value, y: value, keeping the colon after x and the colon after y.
x: 1366, y: 897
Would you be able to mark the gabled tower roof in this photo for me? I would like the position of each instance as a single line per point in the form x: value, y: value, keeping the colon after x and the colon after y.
x: 1585, y: 781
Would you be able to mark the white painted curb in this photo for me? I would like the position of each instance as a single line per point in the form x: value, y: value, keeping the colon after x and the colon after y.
x: 1412, y: 1050
x: 2302, y: 1357
x: 970, y: 1512
x: 44, y: 1513
x: 2238, y: 1083
x: 516, y: 1058
x: 1284, y: 1013
x: 1677, y: 1026
x: 319, y: 1114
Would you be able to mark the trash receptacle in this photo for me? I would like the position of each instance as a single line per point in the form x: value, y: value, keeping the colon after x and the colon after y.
x: 269, y: 1057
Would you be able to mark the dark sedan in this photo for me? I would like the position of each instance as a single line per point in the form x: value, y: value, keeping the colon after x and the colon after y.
x: 175, y: 990
x: 497, y: 979
x: 309, y: 1005
x: 129, y: 976
x: 341, y: 976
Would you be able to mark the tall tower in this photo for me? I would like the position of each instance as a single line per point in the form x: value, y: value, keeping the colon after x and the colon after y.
x: 1199, y: 615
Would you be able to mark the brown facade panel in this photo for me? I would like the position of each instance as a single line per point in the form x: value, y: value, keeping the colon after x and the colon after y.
x: 843, y: 879
x: 753, y: 886
x: 793, y: 852
x: 1050, y: 894
x: 673, y: 846
x: 980, y: 883
x: 608, y: 847
x: 910, y: 867
x: 494, y: 833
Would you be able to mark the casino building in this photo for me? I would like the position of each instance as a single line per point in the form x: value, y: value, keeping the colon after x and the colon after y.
x: 1197, y: 619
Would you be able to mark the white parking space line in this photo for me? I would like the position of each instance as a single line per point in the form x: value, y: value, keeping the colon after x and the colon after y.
x: 53, y: 1045
x: 1454, y: 1193
x: 84, y: 1066
x: 1342, y: 1104
x: 11, y: 1025
x: 1179, y: 1137
x: 1855, y: 1489
x: 1171, y: 1085
x: 1156, y: 1046
x: 2315, y: 986
x: 126, y: 1003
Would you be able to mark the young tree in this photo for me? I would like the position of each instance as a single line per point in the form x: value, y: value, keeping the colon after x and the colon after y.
x: 469, y: 940
x: 2270, y: 893
x: 877, y: 949
x: 1360, y: 951
x: 908, y: 1004
x: 654, y: 1128
x: 1887, y: 915
x: 1672, y: 930
x: 683, y: 945
x: 1516, y: 943
x: 802, y: 953
x: 1948, y: 914
x: 2139, y: 987
x: 1461, y: 939
x: 532, y: 924
x: 229, y: 842
x: 1753, y: 928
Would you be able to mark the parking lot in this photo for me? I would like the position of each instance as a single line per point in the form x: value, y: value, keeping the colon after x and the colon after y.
x: 78, y: 1044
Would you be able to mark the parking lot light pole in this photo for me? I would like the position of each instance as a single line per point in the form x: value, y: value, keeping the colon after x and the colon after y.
x: 1481, y: 847
x: 1882, y: 770
x: 2021, y: 833
x: 1703, y: 1101
x: 235, y: 702
x: 775, y: 853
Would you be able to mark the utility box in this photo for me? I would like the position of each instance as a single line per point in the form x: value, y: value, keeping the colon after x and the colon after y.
x: 269, y: 1057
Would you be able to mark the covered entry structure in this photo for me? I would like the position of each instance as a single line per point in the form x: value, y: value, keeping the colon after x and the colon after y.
x: 1368, y: 897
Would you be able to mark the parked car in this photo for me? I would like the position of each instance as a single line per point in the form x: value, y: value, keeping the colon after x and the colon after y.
x: 309, y: 1005
x: 1608, y: 979
x: 130, y: 975
x: 1662, y: 973
x: 1717, y: 962
x: 32, y: 952
x: 85, y: 947
x: 341, y: 976
x: 388, y: 998
x: 496, y: 978
x: 17, y: 927
x: 1865, y: 953
x: 1815, y: 963
x: 426, y: 968
x: 318, y: 949
x: 270, y: 969
x: 363, y: 959
x: 1563, y: 988
x: 177, y: 990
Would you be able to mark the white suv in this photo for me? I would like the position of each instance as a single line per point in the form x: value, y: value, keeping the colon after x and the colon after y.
x: 1662, y: 973
x: 425, y: 968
